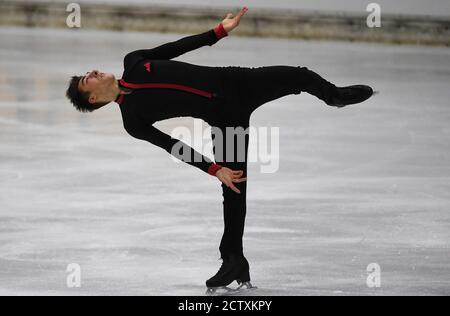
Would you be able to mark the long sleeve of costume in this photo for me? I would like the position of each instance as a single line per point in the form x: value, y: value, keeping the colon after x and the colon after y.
x: 140, y: 75
x: 186, y: 44
x: 176, y: 148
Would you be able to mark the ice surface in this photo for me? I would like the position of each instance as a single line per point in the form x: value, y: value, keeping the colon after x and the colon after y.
x: 365, y: 184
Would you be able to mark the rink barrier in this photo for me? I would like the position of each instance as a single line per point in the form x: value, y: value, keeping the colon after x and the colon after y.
x: 258, y: 22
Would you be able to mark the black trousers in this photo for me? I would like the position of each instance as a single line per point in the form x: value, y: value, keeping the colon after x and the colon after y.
x: 247, y: 89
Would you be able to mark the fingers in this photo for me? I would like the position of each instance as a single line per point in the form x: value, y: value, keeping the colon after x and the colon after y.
x: 236, y: 177
x: 232, y: 187
x: 243, y: 11
x: 240, y: 14
x: 231, y: 177
x: 239, y: 180
x: 237, y: 174
x: 238, y: 17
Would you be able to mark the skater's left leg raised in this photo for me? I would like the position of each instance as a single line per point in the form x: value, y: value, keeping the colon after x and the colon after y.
x: 259, y: 85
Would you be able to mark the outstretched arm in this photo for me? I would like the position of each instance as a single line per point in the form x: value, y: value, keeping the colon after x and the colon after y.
x: 192, y: 42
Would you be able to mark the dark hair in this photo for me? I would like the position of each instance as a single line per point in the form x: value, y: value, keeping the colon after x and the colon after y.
x: 79, y: 99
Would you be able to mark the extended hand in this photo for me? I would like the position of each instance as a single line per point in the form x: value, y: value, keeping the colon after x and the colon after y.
x: 228, y: 176
x: 230, y: 22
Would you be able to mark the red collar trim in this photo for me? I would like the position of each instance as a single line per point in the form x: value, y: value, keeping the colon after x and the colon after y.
x: 119, y: 99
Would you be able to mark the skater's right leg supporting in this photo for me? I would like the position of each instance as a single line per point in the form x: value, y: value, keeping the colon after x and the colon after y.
x: 235, y: 266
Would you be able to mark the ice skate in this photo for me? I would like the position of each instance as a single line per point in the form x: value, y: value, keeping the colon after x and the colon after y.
x: 350, y: 95
x: 234, y: 268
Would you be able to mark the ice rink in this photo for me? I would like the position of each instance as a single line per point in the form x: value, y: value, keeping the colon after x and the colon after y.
x: 368, y: 183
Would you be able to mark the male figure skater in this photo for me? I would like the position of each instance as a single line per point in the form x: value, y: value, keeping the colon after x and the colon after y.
x: 154, y: 87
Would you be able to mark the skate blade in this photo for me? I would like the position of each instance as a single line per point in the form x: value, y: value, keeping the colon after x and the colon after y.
x: 219, y: 291
x: 226, y: 290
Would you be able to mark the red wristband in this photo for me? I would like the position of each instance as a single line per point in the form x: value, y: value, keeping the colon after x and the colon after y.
x: 220, y: 31
x: 213, y: 168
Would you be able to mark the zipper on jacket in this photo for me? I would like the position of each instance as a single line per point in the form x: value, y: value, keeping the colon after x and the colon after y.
x: 203, y: 93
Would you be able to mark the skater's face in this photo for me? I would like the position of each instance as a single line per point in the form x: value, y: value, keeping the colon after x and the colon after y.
x: 98, y: 84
